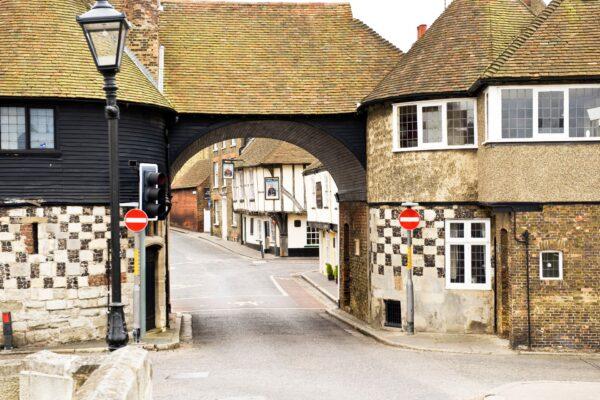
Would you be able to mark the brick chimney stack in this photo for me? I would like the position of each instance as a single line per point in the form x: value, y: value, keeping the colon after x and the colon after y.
x: 143, y: 38
x: 421, y: 29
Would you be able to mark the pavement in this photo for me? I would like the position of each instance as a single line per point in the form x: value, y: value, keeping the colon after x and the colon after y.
x: 547, y: 390
x: 262, y: 333
x: 320, y: 282
x: 233, y: 247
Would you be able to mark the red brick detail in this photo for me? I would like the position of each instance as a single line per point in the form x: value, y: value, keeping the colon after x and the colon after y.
x: 28, y: 239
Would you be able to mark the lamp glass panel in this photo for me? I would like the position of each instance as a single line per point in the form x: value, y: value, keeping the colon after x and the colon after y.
x: 104, y: 40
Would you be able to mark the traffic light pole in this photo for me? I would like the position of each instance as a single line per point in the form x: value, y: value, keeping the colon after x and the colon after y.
x: 116, y: 335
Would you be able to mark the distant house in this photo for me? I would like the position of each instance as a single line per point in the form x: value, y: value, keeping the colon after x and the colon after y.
x: 269, y: 196
x: 191, y: 194
x: 323, y: 214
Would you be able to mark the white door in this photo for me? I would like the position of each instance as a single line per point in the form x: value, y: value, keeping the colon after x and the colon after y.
x: 224, y: 220
x: 206, y: 220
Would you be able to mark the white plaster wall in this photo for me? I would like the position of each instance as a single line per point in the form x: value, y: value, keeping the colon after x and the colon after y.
x: 330, y: 212
x: 296, y: 236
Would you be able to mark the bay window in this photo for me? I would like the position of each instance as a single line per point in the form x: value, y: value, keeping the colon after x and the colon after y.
x: 25, y: 128
x: 542, y: 113
x: 468, y: 254
x: 432, y: 125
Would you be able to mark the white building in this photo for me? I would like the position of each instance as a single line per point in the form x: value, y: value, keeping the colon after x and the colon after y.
x: 269, y: 195
x: 323, y: 213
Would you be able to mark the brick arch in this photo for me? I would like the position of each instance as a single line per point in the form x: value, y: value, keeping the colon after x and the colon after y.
x: 343, y: 165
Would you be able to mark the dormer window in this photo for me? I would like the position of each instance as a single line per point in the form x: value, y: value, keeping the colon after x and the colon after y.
x: 542, y: 113
x: 435, y: 125
x: 25, y: 128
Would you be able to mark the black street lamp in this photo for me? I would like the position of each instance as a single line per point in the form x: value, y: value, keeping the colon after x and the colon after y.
x: 105, y: 30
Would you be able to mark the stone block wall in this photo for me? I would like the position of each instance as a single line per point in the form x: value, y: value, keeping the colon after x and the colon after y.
x: 53, y: 265
x: 354, y: 259
x: 564, y: 313
x: 437, y: 309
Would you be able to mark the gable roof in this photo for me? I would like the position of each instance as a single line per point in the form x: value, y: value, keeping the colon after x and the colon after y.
x: 193, y: 175
x: 456, y: 50
x: 269, y: 58
x: 43, y: 53
x: 562, y: 42
x: 270, y: 151
x: 314, y: 168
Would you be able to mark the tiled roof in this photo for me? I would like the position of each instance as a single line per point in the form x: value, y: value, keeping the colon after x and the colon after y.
x: 456, y: 50
x: 270, y: 151
x: 563, y: 41
x: 43, y: 53
x: 269, y: 58
x: 313, y: 168
x: 192, y: 175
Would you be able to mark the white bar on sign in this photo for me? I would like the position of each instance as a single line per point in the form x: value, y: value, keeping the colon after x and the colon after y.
x: 410, y: 219
x: 136, y: 220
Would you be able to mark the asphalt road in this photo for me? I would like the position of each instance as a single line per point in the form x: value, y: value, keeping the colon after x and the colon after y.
x: 261, y: 334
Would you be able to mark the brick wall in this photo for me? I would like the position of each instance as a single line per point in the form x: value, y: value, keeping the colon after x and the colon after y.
x: 185, y: 212
x: 354, y: 271
x: 143, y: 38
x: 564, y: 313
x: 58, y: 294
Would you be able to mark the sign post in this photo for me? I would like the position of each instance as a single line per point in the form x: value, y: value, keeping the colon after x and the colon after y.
x: 136, y: 221
x: 409, y: 219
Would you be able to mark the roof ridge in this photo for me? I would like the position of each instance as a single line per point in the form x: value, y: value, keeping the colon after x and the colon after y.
x: 377, y: 35
x: 331, y: 4
x: 527, y: 33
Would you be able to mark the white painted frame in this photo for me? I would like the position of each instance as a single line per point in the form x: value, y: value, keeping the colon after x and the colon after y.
x: 560, y: 265
x: 494, y: 123
x: 468, y: 241
x: 443, y: 145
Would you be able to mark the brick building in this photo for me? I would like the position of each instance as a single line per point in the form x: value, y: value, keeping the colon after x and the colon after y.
x: 190, y: 192
x: 491, y: 133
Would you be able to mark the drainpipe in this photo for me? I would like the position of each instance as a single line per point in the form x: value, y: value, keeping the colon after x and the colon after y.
x: 525, y: 240
x: 168, y: 173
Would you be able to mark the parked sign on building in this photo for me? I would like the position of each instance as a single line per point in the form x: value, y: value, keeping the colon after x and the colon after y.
x: 228, y: 170
x: 271, y: 188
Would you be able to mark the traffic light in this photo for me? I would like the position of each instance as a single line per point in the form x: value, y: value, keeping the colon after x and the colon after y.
x: 153, y: 192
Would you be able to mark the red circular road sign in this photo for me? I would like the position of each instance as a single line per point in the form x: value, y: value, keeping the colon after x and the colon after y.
x: 136, y: 220
x: 409, y: 219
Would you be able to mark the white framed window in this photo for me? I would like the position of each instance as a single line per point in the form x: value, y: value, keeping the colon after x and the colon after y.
x: 217, y: 208
x: 234, y: 220
x: 468, y: 264
x: 543, y: 113
x: 312, y: 236
x: 215, y: 147
x: 233, y: 142
x: 250, y: 185
x: 26, y: 128
x: 216, y: 174
x: 435, y: 125
x: 551, y: 265
x: 224, y: 144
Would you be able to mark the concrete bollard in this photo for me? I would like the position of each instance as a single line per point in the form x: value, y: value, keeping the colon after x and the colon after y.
x: 187, y: 335
x: 47, y: 376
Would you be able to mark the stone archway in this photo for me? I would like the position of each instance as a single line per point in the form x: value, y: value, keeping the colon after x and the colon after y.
x: 342, y: 163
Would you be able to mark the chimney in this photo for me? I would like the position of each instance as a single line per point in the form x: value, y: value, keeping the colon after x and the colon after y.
x: 142, y: 38
x: 421, y: 29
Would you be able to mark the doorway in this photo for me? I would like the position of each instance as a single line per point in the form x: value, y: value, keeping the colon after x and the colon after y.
x: 151, y: 264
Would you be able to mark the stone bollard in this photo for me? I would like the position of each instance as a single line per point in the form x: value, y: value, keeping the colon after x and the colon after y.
x: 48, y: 376
x: 125, y: 374
x: 187, y: 334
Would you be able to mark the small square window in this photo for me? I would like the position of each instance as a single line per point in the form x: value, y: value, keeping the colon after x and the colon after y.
x: 478, y: 230
x: 457, y: 230
x: 297, y: 223
x: 551, y: 265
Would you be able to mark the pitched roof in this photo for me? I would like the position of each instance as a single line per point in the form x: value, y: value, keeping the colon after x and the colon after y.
x: 562, y: 42
x: 456, y: 50
x: 43, y: 53
x: 314, y: 168
x: 270, y: 151
x: 269, y: 58
x: 192, y: 175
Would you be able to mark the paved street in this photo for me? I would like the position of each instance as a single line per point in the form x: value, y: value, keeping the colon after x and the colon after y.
x: 259, y: 333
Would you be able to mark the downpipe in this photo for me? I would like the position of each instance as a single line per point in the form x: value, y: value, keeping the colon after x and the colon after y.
x: 526, y: 237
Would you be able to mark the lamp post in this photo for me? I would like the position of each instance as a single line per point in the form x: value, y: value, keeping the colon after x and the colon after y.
x: 105, y: 30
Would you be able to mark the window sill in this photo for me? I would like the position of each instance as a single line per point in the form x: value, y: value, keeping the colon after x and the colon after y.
x: 31, y: 153
x: 415, y: 149
x: 451, y: 286
x: 544, y: 140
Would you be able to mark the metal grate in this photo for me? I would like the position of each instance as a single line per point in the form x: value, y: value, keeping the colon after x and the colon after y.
x: 393, y: 313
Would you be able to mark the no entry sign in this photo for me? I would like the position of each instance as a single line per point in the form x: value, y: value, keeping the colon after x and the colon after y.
x: 136, y: 220
x: 409, y: 219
